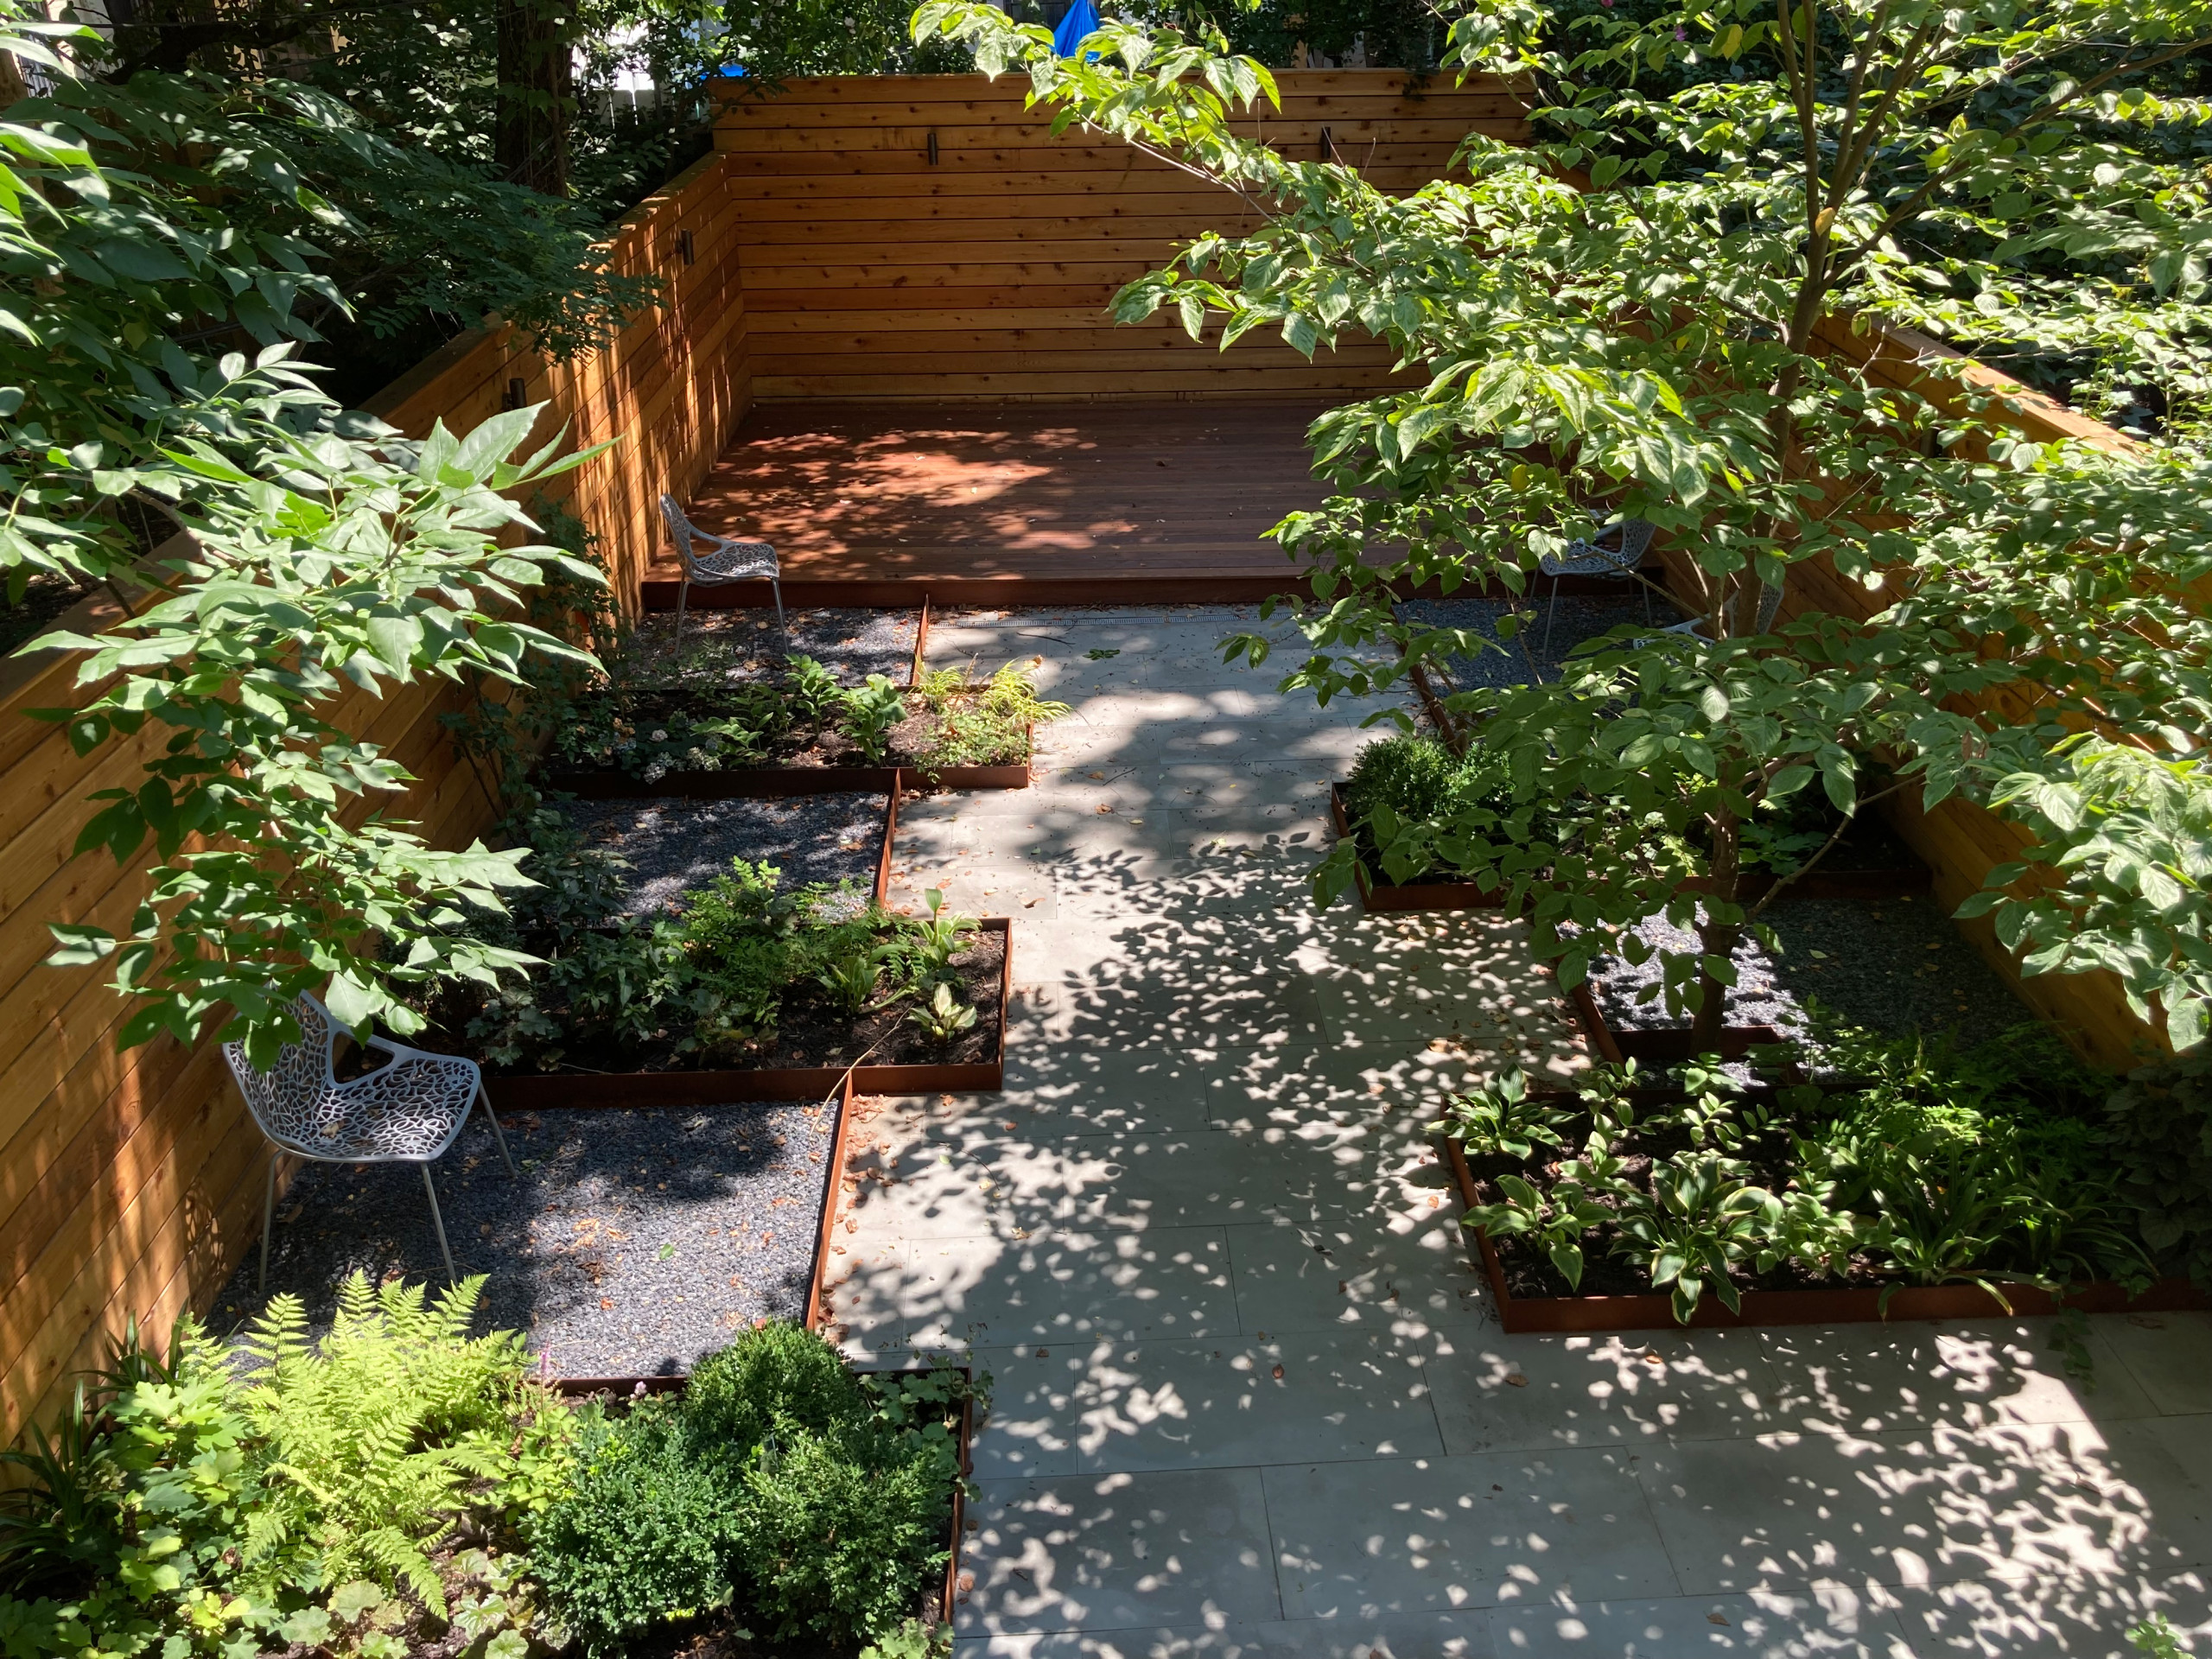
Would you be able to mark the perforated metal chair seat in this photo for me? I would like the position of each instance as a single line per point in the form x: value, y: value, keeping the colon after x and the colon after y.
x: 735, y: 561
x: 409, y: 1110
x: 1590, y: 557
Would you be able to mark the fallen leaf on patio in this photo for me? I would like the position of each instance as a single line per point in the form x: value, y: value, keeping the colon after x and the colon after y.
x: 1104, y: 808
x: 1278, y: 1373
x: 1715, y: 1619
x: 1515, y: 1379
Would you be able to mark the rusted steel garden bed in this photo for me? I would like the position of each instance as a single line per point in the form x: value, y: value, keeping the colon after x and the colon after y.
x: 768, y: 1083
x: 1841, y: 1304
x: 779, y: 783
x: 1899, y: 881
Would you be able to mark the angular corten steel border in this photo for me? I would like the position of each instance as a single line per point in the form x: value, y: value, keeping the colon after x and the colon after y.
x: 1382, y: 896
x: 780, y: 783
x: 1843, y: 1304
x: 764, y: 1083
x: 576, y: 1387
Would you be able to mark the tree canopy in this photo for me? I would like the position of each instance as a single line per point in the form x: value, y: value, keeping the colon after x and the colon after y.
x: 1621, y: 320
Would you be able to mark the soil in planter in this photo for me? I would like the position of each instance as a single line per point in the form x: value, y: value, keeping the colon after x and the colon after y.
x: 1527, y: 655
x: 633, y: 1242
x: 735, y: 647
x: 673, y: 845
x: 1892, y: 965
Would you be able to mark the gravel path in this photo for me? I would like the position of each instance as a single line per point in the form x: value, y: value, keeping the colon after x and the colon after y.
x: 745, y: 645
x: 633, y: 1242
x: 673, y: 845
x: 1892, y: 967
x: 1577, y: 620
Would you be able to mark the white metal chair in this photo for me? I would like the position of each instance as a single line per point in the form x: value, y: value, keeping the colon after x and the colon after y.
x: 407, y: 1111
x: 1592, y: 557
x: 724, y: 562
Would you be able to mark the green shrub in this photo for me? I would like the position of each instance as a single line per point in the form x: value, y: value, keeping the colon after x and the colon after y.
x: 778, y: 1372
x: 2158, y: 1129
x: 644, y: 1533
x: 838, y: 1532
x: 870, y: 715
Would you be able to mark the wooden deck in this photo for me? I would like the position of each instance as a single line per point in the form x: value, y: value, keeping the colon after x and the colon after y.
x: 997, y: 504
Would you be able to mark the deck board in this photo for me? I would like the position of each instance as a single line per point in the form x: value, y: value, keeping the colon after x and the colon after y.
x: 968, y: 502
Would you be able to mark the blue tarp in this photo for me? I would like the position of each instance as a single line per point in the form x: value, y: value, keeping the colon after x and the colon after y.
x: 1081, y: 20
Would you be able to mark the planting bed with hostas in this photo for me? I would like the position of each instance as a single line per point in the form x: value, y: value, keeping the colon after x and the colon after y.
x: 1859, y: 1177
x: 655, y: 727
x: 739, y: 988
x: 1417, y: 779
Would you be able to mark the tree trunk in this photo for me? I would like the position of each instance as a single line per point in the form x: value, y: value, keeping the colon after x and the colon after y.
x: 536, y: 95
x: 1718, y: 939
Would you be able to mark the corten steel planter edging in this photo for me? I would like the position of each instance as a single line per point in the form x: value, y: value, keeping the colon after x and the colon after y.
x: 629, y: 1387
x: 1842, y: 1305
x: 782, y: 783
x: 1382, y: 898
x: 756, y: 1084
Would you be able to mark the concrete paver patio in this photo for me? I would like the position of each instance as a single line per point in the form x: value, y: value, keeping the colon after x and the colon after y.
x: 1250, y: 1397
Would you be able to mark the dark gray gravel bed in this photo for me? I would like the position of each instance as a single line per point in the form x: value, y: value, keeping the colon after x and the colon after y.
x: 673, y: 845
x: 633, y: 1242
x: 1892, y: 966
x: 745, y: 645
x: 1577, y: 620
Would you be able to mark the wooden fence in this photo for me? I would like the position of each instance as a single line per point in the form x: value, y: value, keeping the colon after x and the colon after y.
x: 130, y: 1183
x: 928, y: 237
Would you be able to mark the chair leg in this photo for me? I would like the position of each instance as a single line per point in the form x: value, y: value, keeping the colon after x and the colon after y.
x: 683, y: 593
x: 439, y: 1222
x: 498, y: 1134
x: 1551, y: 615
x: 268, y: 1214
x: 776, y: 588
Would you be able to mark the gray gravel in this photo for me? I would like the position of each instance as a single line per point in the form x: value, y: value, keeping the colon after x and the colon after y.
x: 673, y: 845
x: 633, y: 1242
x: 1893, y: 966
x: 1577, y: 620
x: 741, y: 646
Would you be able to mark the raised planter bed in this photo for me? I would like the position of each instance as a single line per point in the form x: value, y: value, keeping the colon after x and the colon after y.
x: 1669, y: 1046
x: 768, y: 1082
x: 1382, y: 897
x: 1841, y: 1304
x: 1902, y: 881
x: 630, y: 1388
x: 777, y: 783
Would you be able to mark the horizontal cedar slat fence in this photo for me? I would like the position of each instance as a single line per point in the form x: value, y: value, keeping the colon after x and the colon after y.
x: 926, y: 237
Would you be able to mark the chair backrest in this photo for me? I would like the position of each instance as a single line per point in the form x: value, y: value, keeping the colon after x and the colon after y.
x: 680, y: 529
x: 283, y: 1097
x: 1636, y: 537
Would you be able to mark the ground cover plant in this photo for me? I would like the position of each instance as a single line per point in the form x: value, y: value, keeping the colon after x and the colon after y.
x: 1902, y: 1162
x: 1625, y: 323
x: 654, y: 716
x: 402, y: 1488
x: 740, y: 973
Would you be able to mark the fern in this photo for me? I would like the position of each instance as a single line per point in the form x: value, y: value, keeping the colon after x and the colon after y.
x: 382, y: 1430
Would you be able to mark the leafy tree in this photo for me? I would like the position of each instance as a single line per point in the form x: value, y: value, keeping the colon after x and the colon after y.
x: 328, y: 558
x: 1645, y: 347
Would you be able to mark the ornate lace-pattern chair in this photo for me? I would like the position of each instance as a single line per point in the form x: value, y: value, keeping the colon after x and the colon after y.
x: 408, y: 1110
x: 1593, y: 557
x: 724, y: 560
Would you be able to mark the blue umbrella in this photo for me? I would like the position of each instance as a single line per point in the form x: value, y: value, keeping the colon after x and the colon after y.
x: 1081, y: 20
